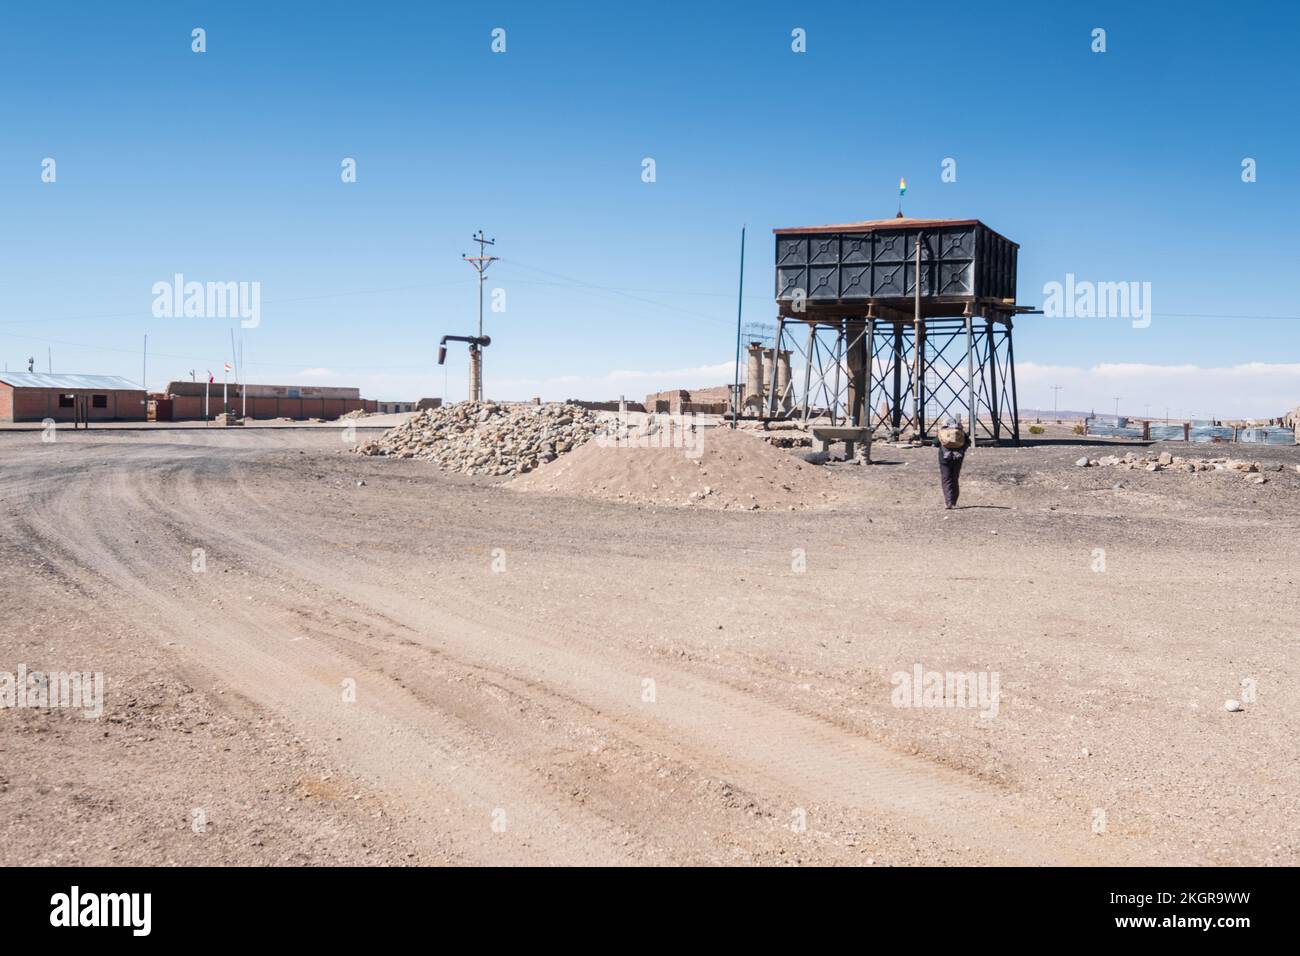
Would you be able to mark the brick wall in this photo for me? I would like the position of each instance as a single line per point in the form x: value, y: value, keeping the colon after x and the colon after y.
x: 38, y: 404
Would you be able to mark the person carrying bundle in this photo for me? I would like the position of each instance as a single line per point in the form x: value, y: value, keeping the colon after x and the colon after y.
x: 952, y: 444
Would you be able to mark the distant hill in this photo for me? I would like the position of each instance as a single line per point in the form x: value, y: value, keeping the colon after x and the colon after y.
x: 1064, y: 414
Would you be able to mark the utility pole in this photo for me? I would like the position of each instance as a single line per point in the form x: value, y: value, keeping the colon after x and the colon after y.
x: 144, y: 368
x: 480, y: 263
x: 740, y: 306
x: 1117, y: 398
x: 49, y: 360
x: 1055, y: 391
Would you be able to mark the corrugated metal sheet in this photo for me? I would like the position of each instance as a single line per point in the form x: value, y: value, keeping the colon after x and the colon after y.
x: 1198, y: 434
x: 1112, y: 430
x: 107, y: 383
x: 1209, y: 433
x: 1268, y: 436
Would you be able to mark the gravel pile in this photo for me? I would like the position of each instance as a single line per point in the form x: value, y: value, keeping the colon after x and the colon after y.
x: 484, y: 438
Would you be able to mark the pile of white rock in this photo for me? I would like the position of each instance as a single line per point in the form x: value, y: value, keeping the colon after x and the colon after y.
x: 1250, y: 470
x: 486, y: 438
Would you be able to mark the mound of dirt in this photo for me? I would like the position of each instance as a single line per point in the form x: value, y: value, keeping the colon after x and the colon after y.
x: 721, y: 469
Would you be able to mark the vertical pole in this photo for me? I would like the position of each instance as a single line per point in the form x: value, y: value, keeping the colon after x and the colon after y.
x: 1011, y: 367
x: 896, y: 408
x: 994, y: 411
x: 740, y: 304
x: 807, y: 372
x: 776, y: 351
x: 918, y: 348
x: 871, y: 368
x: 839, y: 359
x: 971, y: 411
x: 855, y: 339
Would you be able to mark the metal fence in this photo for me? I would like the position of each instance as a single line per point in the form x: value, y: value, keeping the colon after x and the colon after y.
x: 1197, y: 433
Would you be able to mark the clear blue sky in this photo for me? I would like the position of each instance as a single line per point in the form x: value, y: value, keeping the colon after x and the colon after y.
x: 225, y: 166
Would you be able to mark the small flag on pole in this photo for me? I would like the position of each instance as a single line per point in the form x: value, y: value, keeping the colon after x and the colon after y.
x: 902, y: 186
x: 210, y: 378
x: 226, y: 366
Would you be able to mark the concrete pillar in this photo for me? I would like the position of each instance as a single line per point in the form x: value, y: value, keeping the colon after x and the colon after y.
x: 856, y: 360
x: 754, y: 377
x: 475, y: 375
x: 784, y: 391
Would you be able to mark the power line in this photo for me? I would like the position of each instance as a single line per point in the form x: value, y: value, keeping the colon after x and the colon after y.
x: 301, y: 298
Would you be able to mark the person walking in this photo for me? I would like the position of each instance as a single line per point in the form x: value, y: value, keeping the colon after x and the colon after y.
x: 952, y: 444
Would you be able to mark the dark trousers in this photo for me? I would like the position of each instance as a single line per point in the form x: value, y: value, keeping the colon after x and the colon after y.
x: 949, y: 475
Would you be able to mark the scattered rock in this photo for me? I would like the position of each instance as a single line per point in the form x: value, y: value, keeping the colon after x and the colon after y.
x: 1081, y: 462
x: 1232, y: 706
x: 487, y: 438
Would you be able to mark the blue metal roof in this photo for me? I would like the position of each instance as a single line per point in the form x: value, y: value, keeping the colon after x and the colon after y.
x: 107, y: 383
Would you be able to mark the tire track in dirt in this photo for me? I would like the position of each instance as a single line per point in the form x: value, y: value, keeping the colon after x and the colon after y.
x: 392, y: 740
x: 764, y: 746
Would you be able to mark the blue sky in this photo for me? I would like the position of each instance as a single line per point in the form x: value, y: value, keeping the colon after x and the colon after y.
x: 225, y: 166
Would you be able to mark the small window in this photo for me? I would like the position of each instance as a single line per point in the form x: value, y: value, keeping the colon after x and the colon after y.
x: 65, y: 401
x: 99, y: 401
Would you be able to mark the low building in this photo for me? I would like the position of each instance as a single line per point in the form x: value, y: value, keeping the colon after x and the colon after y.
x: 700, y: 401
x: 36, y: 396
x: 193, y: 401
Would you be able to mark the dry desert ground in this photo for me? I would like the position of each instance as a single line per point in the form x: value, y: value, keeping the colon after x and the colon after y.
x: 317, y: 657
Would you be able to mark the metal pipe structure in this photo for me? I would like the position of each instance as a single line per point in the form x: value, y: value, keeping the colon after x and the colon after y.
x: 476, y: 344
x: 950, y: 346
x: 918, y: 351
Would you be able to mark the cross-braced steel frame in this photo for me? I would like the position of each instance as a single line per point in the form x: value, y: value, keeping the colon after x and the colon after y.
x: 862, y: 372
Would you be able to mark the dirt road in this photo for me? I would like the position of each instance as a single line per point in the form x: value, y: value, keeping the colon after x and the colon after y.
x: 421, y: 668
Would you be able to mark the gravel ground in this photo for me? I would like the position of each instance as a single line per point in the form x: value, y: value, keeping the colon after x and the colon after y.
x: 383, y: 663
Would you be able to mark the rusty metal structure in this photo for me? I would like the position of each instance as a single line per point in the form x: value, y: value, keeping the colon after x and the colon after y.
x: 880, y: 350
